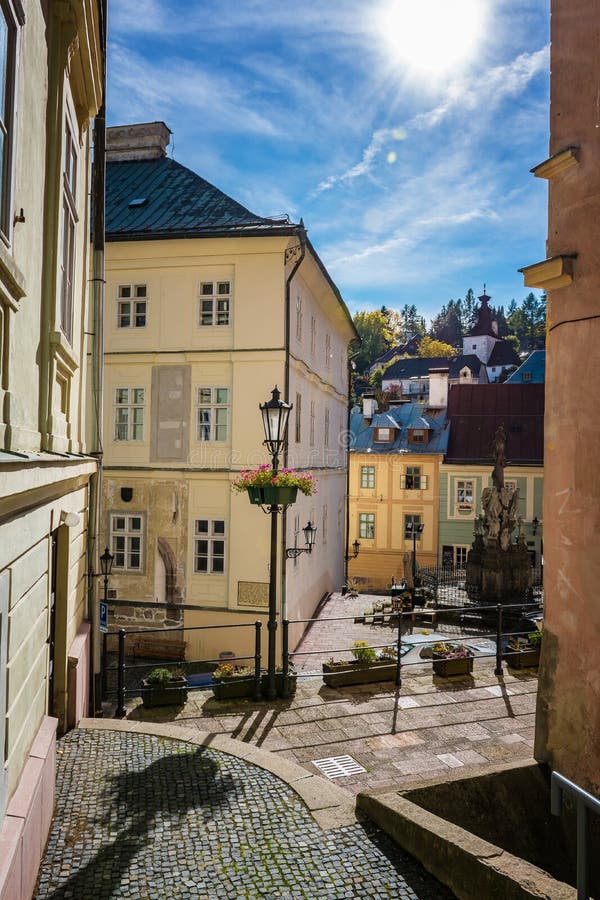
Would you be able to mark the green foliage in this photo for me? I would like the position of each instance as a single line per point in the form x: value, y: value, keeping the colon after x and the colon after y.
x: 528, y: 321
x: 412, y: 322
x: 535, y: 639
x: 362, y: 653
x: 376, y: 337
x: 159, y: 677
x: 429, y: 348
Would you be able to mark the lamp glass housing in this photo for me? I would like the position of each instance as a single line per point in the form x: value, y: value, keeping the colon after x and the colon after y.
x: 356, y: 547
x: 310, y: 534
x: 106, y: 562
x: 275, y: 414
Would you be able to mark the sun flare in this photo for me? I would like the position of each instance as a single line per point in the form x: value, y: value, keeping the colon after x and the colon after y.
x: 432, y: 38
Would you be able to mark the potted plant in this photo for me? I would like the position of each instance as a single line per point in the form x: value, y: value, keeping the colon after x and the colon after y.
x: 523, y: 653
x: 451, y: 659
x: 235, y: 682
x: 367, y: 667
x: 268, y: 488
x: 164, y: 687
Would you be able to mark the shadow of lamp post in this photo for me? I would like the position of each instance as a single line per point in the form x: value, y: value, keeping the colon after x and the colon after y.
x: 106, y: 564
x: 310, y: 533
x: 275, y: 415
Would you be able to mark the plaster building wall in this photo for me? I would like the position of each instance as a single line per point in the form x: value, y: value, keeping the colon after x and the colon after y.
x: 568, y: 714
x: 54, y: 87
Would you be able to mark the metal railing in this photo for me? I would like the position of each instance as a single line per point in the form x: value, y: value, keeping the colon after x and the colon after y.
x: 560, y: 785
x: 122, y: 666
x: 497, y: 613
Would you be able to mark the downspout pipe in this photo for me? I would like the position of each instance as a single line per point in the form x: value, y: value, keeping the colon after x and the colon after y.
x: 348, y: 414
x: 97, y: 366
x: 286, y: 394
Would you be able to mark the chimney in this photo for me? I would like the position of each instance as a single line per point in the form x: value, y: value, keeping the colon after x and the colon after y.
x: 129, y: 142
x: 369, y: 405
x: 438, y: 388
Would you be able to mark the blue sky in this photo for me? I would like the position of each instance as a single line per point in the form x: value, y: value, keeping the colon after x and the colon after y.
x: 403, y: 135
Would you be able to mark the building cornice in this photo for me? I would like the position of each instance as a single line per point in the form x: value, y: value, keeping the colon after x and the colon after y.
x: 549, y: 274
x: 556, y: 164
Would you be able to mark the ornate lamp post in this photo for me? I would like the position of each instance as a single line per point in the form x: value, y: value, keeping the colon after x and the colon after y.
x: 106, y: 564
x: 414, y: 528
x: 275, y: 415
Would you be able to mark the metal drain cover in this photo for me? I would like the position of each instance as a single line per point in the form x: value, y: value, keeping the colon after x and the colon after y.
x: 338, y: 766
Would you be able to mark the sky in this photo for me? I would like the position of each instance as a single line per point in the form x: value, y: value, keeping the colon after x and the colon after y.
x: 402, y: 131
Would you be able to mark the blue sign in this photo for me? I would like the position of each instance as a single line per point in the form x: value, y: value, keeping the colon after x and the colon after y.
x: 103, y: 617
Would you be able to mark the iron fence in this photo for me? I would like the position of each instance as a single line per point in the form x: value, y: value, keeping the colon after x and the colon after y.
x: 447, y: 586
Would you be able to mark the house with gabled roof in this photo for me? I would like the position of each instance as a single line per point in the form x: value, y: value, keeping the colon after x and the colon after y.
x: 395, y: 458
x: 208, y: 306
x: 532, y: 371
x: 497, y: 354
x: 411, y: 377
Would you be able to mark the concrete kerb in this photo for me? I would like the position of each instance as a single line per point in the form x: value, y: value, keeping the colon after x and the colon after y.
x: 330, y: 805
x: 470, y: 866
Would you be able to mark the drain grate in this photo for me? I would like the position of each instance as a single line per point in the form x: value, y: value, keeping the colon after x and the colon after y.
x: 338, y: 766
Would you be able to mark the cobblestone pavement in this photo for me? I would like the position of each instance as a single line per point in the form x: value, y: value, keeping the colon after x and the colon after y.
x: 148, y: 818
x: 429, y: 726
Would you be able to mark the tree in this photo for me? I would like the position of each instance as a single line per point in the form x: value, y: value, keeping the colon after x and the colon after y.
x: 429, y: 348
x: 446, y: 326
x: 528, y: 321
x: 412, y: 322
x: 394, y: 325
x: 375, y: 335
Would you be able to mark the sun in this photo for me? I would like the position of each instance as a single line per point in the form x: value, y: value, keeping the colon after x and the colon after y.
x: 432, y: 38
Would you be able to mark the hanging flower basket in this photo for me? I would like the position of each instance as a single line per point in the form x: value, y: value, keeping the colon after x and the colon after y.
x: 272, y: 496
x: 268, y: 488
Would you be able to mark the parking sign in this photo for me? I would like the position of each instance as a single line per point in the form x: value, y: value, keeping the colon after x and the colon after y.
x: 103, y: 617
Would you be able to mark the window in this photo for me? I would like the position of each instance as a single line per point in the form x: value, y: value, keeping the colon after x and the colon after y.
x: 132, y: 306
x: 382, y: 435
x: 366, y: 525
x: 412, y: 519
x: 298, y: 318
x: 464, y: 493
x: 312, y: 423
x: 215, y: 302
x: 526, y: 376
x: 327, y: 351
x: 326, y: 437
x: 126, y: 542
x: 209, y: 546
x: 8, y: 48
x: 367, y: 476
x: 413, y: 480
x: 68, y: 233
x: 212, y: 414
x: 416, y: 435
x: 460, y: 556
x: 313, y: 334
x: 298, y: 418
x: 129, y: 414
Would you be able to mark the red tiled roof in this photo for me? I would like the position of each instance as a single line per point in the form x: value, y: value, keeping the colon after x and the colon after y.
x: 476, y: 410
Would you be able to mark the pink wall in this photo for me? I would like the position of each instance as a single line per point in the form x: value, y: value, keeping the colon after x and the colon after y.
x: 78, y: 676
x: 25, y: 828
x: 568, y: 717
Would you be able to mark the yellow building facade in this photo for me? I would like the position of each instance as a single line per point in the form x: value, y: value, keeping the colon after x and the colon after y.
x: 223, y: 315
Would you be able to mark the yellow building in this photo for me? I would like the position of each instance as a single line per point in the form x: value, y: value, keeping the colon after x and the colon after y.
x: 395, y: 460
x: 208, y: 306
x: 51, y: 71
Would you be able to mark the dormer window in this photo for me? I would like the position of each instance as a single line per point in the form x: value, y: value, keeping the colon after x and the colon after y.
x: 383, y: 435
x: 418, y: 435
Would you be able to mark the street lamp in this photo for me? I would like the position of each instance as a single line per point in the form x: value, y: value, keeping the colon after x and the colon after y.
x: 535, y: 523
x: 355, y: 548
x: 275, y: 415
x: 414, y: 528
x: 106, y: 564
x: 310, y: 533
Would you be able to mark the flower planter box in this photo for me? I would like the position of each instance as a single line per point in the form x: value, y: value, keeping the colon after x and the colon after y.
x: 446, y: 667
x: 522, y: 659
x: 175, y: 695
x: 272, y: 496
x: 358, y: 673
x: 239, y: 688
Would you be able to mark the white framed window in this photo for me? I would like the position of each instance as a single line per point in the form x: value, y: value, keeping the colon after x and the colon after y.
x: 313, y: 335
x: 367, y: 476
x: 312, y: 423
x: 327, y: 351
x: 413, y: 479
x: 68, y: 231
x: 11, y: 17
x: 209, y: 546
x: 460, y: 556
x: 411, y: 519
x: 212, y: 414
x: 129, y: 413
x: 126, y: 541
x: 298, y: 318
x: 298, y: 420
x: 326, y: 436
x: 417, y: 435
x: 366, y: 525
x: 382, y: 435
x: 214, y: 303
x: 132, y: 306
x: 464, y: 493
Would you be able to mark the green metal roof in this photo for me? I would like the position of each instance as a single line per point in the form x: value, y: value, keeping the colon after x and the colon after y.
x: 152, y: 198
